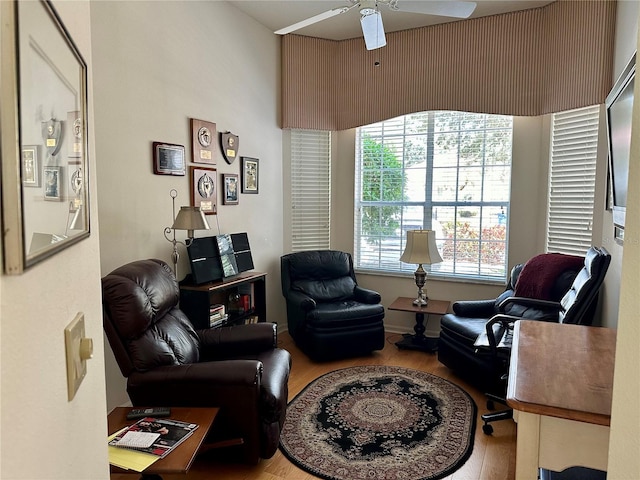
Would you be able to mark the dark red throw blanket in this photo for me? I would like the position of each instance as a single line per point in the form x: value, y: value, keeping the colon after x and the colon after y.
x: 538, y: 274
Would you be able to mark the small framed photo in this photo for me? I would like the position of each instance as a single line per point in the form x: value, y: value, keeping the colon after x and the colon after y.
x: 52, y: 183
x: 203, y: 189
x: 168, y: 159
x: 249, y: 175
x: 230, y: 194
x: 30, y: 166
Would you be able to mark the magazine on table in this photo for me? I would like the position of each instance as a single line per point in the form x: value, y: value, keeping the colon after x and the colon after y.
x: 157, y: 436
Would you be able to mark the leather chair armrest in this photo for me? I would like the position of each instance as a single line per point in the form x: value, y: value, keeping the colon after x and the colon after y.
x: 530, y: 302
x: 474, y: 308
x: 196, y: 384
x: 238, y: 340
x: 495, y: 338
x: 302, y: 301
x: 365, y: 295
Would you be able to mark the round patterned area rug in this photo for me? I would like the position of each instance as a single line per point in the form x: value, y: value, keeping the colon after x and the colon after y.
x: 379, y: 422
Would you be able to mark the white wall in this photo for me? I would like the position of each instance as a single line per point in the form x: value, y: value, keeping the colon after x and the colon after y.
x: 45, y: 436
x: 624, y: 442
x: 625, y: 46
x: 526, y: 237
x: 156, y: 65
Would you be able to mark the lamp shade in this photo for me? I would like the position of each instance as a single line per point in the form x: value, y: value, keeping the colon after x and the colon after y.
x: 421, y: 248
x: 190, y: 218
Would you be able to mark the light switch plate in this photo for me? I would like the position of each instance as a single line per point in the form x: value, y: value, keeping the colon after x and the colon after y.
x: 76, y: 364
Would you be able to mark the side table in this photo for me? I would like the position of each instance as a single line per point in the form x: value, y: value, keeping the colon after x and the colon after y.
x: 179, y: 460
x: 419, y: 341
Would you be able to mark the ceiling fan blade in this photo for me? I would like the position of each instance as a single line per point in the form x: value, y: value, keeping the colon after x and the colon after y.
x: 373, y: 30
x: 453, y: 8
x: 312, y: 20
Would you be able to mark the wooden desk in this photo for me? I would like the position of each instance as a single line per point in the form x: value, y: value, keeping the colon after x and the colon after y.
x: 419, y: 341
x: 560, y: 387
x: 179, y: 460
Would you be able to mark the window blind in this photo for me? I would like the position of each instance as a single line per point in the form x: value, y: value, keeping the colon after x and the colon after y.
x: 310, y: 189
x: 445, y: 171
x: 572, y: 177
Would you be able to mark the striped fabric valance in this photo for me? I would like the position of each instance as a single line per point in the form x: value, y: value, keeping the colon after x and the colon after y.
x: 526, y: 63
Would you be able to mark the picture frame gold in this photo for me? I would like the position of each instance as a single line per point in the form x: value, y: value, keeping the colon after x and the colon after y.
x: 42, y: 71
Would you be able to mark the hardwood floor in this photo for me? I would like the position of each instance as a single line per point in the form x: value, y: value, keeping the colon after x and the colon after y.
x: 493, y: 457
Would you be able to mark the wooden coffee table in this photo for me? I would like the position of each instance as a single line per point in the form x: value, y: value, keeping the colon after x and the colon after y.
x: 180, y: 459
x: 419, y: 341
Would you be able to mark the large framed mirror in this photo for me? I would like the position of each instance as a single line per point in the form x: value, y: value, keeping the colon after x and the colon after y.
x: 45, y: 191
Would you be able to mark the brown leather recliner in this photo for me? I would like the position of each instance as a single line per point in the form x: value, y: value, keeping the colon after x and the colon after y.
x: 168, y: 363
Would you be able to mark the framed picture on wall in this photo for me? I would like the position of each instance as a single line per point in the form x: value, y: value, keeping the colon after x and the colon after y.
x: 30, y: 166
x: 203, y: 189
x: 168, y: 159
x: 230, y: 194
x: 249, y: 175
x: 52, y: 183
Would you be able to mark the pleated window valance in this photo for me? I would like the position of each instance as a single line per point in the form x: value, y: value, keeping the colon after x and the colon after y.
x: 527, y: 63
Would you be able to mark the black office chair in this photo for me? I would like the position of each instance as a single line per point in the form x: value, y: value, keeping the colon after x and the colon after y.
x: 577, y: 306
x: 460, y: 329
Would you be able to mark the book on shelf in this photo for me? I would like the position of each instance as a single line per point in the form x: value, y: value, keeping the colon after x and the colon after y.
x: 218, y: 308
x: 218, y: 321
x: 245, y: 299
x: 162, y: 435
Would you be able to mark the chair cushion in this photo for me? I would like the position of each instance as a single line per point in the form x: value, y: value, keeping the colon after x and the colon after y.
x: 344, y: 314
x: 463, y: 329
x: 329, y: 290
x: 138, y: 294
x: 318, y: 265
x: 170, y: 341
x: 141, y: 300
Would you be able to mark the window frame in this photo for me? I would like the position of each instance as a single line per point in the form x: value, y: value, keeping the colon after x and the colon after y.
x: 429, y: 204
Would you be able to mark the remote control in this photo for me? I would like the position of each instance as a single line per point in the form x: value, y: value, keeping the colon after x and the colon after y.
x: 137, y: 413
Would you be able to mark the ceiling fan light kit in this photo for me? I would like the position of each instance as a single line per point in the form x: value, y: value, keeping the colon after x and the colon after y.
x: 373, y: 30
x: 371, y: 19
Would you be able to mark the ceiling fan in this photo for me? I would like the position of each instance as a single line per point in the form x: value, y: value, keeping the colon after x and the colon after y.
x: 371, y: 18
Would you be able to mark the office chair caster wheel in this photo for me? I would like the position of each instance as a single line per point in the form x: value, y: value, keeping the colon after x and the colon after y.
x: 491, y: 405
x: 487, y: 429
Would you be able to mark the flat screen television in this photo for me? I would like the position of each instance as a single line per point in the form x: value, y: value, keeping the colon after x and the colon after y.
x: 619, y: 104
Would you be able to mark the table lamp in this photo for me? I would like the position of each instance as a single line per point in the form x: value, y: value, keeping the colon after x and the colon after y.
x: 189, y: 219
x: 421, y: 249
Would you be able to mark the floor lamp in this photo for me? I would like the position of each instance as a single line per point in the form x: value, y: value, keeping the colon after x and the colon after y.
x: 189, y: 219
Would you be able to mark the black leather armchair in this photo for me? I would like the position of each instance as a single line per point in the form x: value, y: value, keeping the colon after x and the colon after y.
x: 329, y: 316
x: 168, y: 363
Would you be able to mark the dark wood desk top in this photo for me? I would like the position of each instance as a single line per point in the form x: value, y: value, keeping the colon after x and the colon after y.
x: 179, y: 460
x: 563, y: 371
x: 433, y: 307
